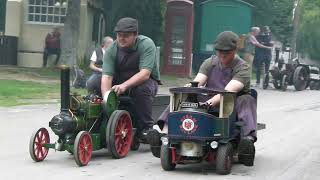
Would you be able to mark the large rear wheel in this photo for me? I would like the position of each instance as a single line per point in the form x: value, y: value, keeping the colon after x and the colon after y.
x: 300, y: 78
x: 119, y: 133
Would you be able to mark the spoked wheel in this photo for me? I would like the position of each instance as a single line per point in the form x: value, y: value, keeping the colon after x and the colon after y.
x: 224, y: 159
x: 284, y: 83
x: 36, y: 145
x: 265, y: 81
x: 300, y: 78
x: 82, y: 148
x: 119, y: 133
x: 166, y: 158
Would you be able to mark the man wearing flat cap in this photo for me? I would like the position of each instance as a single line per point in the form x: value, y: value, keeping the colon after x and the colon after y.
x: 224, y: 71
x: 129, y: 67
x: 263, y: 55
x: 250, y: 44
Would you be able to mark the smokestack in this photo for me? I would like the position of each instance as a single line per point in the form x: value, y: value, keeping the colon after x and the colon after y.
x: 65, y: 88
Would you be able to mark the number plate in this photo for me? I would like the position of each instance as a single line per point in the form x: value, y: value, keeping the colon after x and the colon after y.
x: 189, y: 105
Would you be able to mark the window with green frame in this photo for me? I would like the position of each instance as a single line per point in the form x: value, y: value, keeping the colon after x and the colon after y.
x: 46, y: 11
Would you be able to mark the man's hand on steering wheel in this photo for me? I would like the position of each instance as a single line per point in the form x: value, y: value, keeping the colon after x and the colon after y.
x: 119, y: 89
x: 214, y: 100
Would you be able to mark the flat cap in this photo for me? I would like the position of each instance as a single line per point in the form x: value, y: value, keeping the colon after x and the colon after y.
x: 127, y: 24
x: 266, y: 29
x: 226, y: 41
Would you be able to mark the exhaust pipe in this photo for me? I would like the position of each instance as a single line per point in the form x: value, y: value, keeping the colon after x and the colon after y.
x: 65, y: 88
x: 64, y: 123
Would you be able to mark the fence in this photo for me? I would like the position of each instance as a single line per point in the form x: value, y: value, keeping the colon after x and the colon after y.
x: 8, y: 50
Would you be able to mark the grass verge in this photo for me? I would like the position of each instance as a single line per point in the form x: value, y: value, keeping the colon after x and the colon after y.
x: 14, y: 92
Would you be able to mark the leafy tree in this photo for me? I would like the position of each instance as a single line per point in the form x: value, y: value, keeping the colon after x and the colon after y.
x: 149, y: 14
x: 309, y: 33
x: 277, y: 14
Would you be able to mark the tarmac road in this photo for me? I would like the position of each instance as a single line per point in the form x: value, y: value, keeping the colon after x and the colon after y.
x: 289, y: 149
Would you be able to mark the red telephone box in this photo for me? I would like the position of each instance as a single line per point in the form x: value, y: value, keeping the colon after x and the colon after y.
x: 178, y: 38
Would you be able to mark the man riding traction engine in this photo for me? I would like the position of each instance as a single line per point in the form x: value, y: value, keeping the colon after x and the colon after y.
x: 224, y: 72
x: 85, y: 124
x: 130, y: 68
x: 88, y: 123
x: 199, y: 132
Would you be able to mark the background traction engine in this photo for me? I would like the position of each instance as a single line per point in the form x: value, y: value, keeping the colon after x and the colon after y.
x: 85, y: 124
x: 284, y: 75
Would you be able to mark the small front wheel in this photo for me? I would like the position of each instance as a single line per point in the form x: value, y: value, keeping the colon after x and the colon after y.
x: 135, y: 143
x: 265, y: 81
x: 36, y: 145
x: 224, y: 159
x: 276, y: 84
x: 82, y: 148
x: 284, y: 83
x: 312, y: 85
x: 166, y: 158
x: 317, y: 85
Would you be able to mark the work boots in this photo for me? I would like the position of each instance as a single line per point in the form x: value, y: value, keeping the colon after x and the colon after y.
x: 246, y: 151
x: 154, y: 139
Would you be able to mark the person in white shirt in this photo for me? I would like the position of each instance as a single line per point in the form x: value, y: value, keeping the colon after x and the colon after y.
x: 94, y: 82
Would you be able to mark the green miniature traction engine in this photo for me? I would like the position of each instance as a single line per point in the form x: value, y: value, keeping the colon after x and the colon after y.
x: 85, y: 124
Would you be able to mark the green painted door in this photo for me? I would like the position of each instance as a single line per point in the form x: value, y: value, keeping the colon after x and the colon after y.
x: 222, y: 15
x: 2, y: 15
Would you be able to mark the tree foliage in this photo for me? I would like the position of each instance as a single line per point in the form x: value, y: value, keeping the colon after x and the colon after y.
x: 274, y: 13
x: 309, y: 33
x: 149, y: 14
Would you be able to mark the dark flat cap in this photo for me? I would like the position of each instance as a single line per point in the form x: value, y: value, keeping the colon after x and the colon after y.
x: 266, y: 29
x: 126, y: 24
x: 226, y: 41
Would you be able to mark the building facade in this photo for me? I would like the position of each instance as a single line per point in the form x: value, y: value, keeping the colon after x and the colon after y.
x: 31, y: 20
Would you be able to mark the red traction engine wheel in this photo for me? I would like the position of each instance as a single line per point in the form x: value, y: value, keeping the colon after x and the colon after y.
x: 82, y: 148
x: 36, y: 145
x: 119, y: 134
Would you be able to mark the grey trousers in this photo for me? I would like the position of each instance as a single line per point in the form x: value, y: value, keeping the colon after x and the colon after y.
x: 94, y: 83
x: 246, y: 107
x: 143, y: 96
